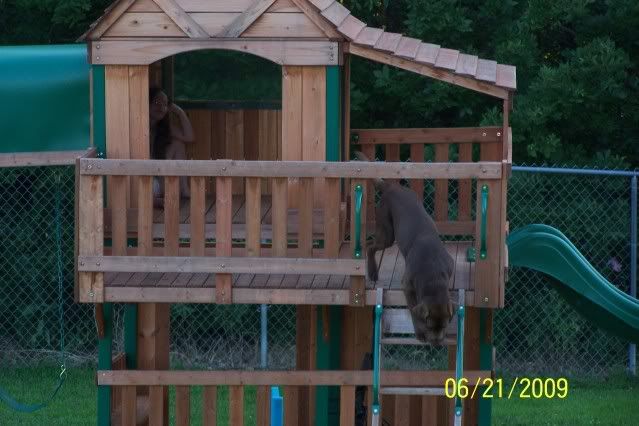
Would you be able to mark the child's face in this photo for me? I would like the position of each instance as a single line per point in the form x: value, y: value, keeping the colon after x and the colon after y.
x: 159, y: 107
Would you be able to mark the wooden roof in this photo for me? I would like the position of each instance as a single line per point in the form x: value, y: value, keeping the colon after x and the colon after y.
x: 203, y: 21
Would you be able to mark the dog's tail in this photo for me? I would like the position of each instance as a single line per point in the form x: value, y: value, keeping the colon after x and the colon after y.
x: 379, y: 182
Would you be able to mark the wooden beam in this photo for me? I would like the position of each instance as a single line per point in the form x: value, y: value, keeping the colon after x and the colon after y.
x: 432, y: 378
x: 182, y: 19
x: 291, y: 169
x: 254, y: 296
x: 245, y: 19
x: 221, y: 265
x: 427, y: 135
x: 430, y: 71
x: 145, y: 51
x: 51, y: 158
x: 111, y: 14
x: 318, y: 20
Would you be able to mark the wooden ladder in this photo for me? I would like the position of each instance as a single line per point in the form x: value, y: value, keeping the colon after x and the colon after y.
x: 398, y: 321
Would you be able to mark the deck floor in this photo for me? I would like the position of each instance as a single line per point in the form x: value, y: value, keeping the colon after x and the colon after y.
x: 390, y: 275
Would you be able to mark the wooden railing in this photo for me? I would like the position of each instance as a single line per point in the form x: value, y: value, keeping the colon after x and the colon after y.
x: 278, y: 258
x: 475, y: 145
x: 292, y: 382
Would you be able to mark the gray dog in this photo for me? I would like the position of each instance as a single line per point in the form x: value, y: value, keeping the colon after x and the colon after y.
x: 400, y: 216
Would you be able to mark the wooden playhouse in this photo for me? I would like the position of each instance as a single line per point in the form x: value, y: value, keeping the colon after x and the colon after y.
x: 278, y: 214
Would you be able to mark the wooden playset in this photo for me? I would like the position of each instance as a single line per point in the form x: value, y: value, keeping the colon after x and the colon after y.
x: 278, y: 213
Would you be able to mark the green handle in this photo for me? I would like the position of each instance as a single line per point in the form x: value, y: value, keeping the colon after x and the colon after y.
x: 376, y: 354
x: 459, y: 368
x: 484, y: 212
x: 359, y: 195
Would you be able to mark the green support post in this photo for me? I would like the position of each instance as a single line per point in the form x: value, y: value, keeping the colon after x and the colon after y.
x: 99, y: 119
x: 485, y: 363
x: 328, y: 351
x: 105, y: 346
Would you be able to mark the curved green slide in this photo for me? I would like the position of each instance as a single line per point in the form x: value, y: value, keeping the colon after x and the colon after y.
x: 545, y: 249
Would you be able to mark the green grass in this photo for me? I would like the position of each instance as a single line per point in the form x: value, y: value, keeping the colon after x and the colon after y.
x: 611, y: 402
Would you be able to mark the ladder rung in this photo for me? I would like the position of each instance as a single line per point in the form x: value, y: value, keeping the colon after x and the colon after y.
x: 413, y: 341
x: 412, y: 391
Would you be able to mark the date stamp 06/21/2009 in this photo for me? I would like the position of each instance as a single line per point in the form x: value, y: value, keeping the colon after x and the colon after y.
x: 520, y: 387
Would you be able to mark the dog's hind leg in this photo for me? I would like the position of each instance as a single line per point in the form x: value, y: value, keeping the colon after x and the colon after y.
x: 384, y: 237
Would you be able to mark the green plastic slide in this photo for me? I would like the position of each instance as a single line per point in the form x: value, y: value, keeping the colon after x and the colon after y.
x: 545, y: 249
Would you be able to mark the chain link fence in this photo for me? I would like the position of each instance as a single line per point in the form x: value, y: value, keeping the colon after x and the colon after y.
x: 536, y: 333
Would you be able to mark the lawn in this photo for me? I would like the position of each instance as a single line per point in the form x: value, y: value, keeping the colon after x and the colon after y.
x: 611, y: 402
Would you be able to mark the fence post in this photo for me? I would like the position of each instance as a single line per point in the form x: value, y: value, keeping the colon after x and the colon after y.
x: 632, y: 348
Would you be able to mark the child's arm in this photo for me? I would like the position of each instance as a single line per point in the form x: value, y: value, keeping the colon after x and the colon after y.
x: 183, y: 132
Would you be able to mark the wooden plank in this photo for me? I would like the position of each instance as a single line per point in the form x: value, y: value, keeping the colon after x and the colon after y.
x: 427, y: 70
x: 291, y: 412
x: 408, y: 47
x: 306, y: 350
x: 464, y: 190
x: 235, y: 142
x: 283, y: 6
x: 251, y: 132
x: 156, y: 403
x: 138, y: 118
x: 314, y: 124
x: 223, y: 242
x: 428, y: 135
x: 486, y: 70
x: 369, y: 36
x: 317, y: 19
x: 145, y: 215
x: 245, y: 19
x: 279, y: 214
x: 427, y: 53
x: 253, y: 295
x: 142, y: 24
x: 402, y: 410
x: 221, y: 264
x: 332, y: 237
x: 322, y: 4
x: 347, y: 406
x: 292, y: 123
x: 236, y: 405
x: 201, y: 148
x: 34, y: 159
x: 447, y: 58
x: 90, y: 236
x: 111, y: 15
x: 417, y: 156
x: 388, y: 42
x: 441, y: 186
x: 209, y: 407
x: 143, y: 51
x: 116, y: 104
x: 253, y: 216
x: 182, y: 19
x: 305, y: 233
x: 171, y: 212
x: 292, y: 25
x: 293, y: 169
x: 335, y: 13
x: 263, y: 406
x: 182, y: 405
x: 196, y: 217
x: 506, y: 76
x: 351, y: 27
x: 216, y: 6
x: 128, y: 404
x: 467, y: 64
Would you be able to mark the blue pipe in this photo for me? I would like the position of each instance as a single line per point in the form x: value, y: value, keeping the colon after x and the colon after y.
x: 632, y: 348
x: 559, y: 170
